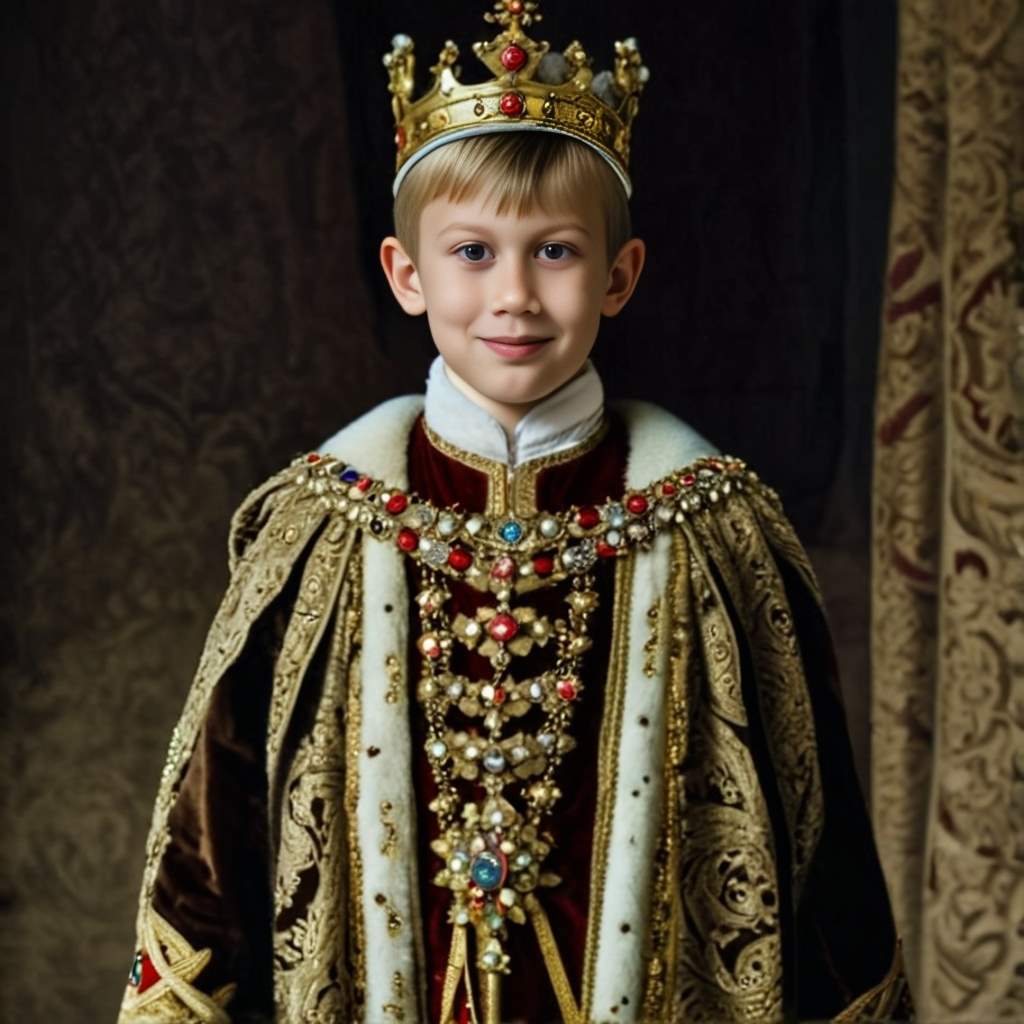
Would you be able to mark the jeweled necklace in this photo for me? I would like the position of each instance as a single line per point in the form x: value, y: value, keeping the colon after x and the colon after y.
x: 494, y: 849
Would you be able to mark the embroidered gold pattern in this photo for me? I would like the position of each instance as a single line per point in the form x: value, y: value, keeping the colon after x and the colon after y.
x: 390, y: 841
x: 607, y: 765
x: 665, y: 919
x: 651, y: 643
x: 394, y: 690
x: 313, y: 976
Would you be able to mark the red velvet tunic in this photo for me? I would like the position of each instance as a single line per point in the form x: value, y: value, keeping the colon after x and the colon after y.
x: 588, y: 475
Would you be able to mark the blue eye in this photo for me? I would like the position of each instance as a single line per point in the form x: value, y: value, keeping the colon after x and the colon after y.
x: 474, y: 252
x: 555, y: 251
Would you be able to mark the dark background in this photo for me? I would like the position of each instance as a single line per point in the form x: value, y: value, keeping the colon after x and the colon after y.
x: 192, y: 199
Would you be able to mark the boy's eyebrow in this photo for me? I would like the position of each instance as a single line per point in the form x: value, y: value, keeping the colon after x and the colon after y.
x: 546, y: 230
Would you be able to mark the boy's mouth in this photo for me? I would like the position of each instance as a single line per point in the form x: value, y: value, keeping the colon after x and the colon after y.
x: 515, y: 347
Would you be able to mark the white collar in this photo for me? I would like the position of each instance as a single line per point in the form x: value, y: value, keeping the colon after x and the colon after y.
x: 563, y: 419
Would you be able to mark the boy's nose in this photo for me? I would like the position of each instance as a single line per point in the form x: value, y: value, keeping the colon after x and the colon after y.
x: 514, y: 292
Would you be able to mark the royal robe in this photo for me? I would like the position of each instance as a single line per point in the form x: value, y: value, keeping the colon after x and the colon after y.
x: 716, y: 859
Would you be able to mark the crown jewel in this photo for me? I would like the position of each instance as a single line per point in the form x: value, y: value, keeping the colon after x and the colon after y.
x: 532, y: 88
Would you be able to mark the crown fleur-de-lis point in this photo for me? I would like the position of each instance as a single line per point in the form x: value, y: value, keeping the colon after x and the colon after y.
x: 511, y: 14
x: 631, y: 74
x: 579, y: 62
x: 444, y: 71
x: 401, y: 65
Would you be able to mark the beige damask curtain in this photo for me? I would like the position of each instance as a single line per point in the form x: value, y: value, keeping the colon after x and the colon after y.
x: 948, y: 587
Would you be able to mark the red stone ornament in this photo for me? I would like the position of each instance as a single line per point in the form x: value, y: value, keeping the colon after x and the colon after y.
x: 514, y: 6
x: 502, y: 627
x: 363, y: 483
x: 513, y: 57
x: 543, y: 565
x: 566, y: 689
x: 460, y: 559
x: 688, y: 479
x: 313, y: 457
x: 504, y: 568
x: 512, y: 104
x: 400, y: 137
x: 637, y: 504
x: 407, y: 539
x: 499, y: 695
x: 588, y: 517
x: 397, y: 504
x: 605, y: 550
x: 668, y: 489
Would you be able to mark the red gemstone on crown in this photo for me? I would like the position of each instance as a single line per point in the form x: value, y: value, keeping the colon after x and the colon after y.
x: 688, y: 479
x: 504, y: 568
x: 605, y: 550
x: 502, y: 627
x: 588, y: 517
x: 397, y: 504
x: 460, y: 559
x: 543, y: 565
x: 513, y: 57
x: 363, y: 483
x: 637, y: 504
x: 668, y: 489
x: 312, y: 457
x: 566, y: 689
x: 514, y: 6
x: 400, y: 137
x: 407, y: 539
x: 512, y: 104
x: 499, y: 695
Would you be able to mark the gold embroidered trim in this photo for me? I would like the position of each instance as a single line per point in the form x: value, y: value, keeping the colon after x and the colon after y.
x: 173, y: 997
x: 515, y: 491
x: 651, y: 643
x: 666, y: 910
x: 553, y: 961
x: 607, y: 761
x: 353, y: 730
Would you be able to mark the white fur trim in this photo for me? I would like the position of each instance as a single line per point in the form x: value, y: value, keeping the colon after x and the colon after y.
x: 659, y: 444
x: 637, y: 808
x: 377, y: 442
x: 387, y: 775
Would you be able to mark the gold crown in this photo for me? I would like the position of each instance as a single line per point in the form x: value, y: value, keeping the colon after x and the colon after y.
x: 532, y: 89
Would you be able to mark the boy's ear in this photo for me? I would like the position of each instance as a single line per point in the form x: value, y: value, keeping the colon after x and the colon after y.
x: 623, y: 276
x: 401, y: 273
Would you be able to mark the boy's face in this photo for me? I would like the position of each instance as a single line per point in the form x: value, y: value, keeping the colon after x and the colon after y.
x: 513, y: 302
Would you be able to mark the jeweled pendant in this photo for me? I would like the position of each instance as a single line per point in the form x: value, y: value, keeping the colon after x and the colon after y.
x: 488, y: 870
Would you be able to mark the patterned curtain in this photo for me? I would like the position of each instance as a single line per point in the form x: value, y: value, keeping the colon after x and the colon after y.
x: 948, y: 587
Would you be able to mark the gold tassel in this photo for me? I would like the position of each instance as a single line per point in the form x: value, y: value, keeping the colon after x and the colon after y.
x: 456, y: 963
x: 553, y: 961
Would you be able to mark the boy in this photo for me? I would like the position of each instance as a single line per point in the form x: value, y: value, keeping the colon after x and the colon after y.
x: 518, y: 706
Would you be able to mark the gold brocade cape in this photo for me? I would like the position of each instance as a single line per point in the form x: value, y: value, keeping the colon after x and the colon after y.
x: 739, y: 883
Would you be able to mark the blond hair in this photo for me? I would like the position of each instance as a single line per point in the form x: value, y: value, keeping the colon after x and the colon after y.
x: 519, y: 171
